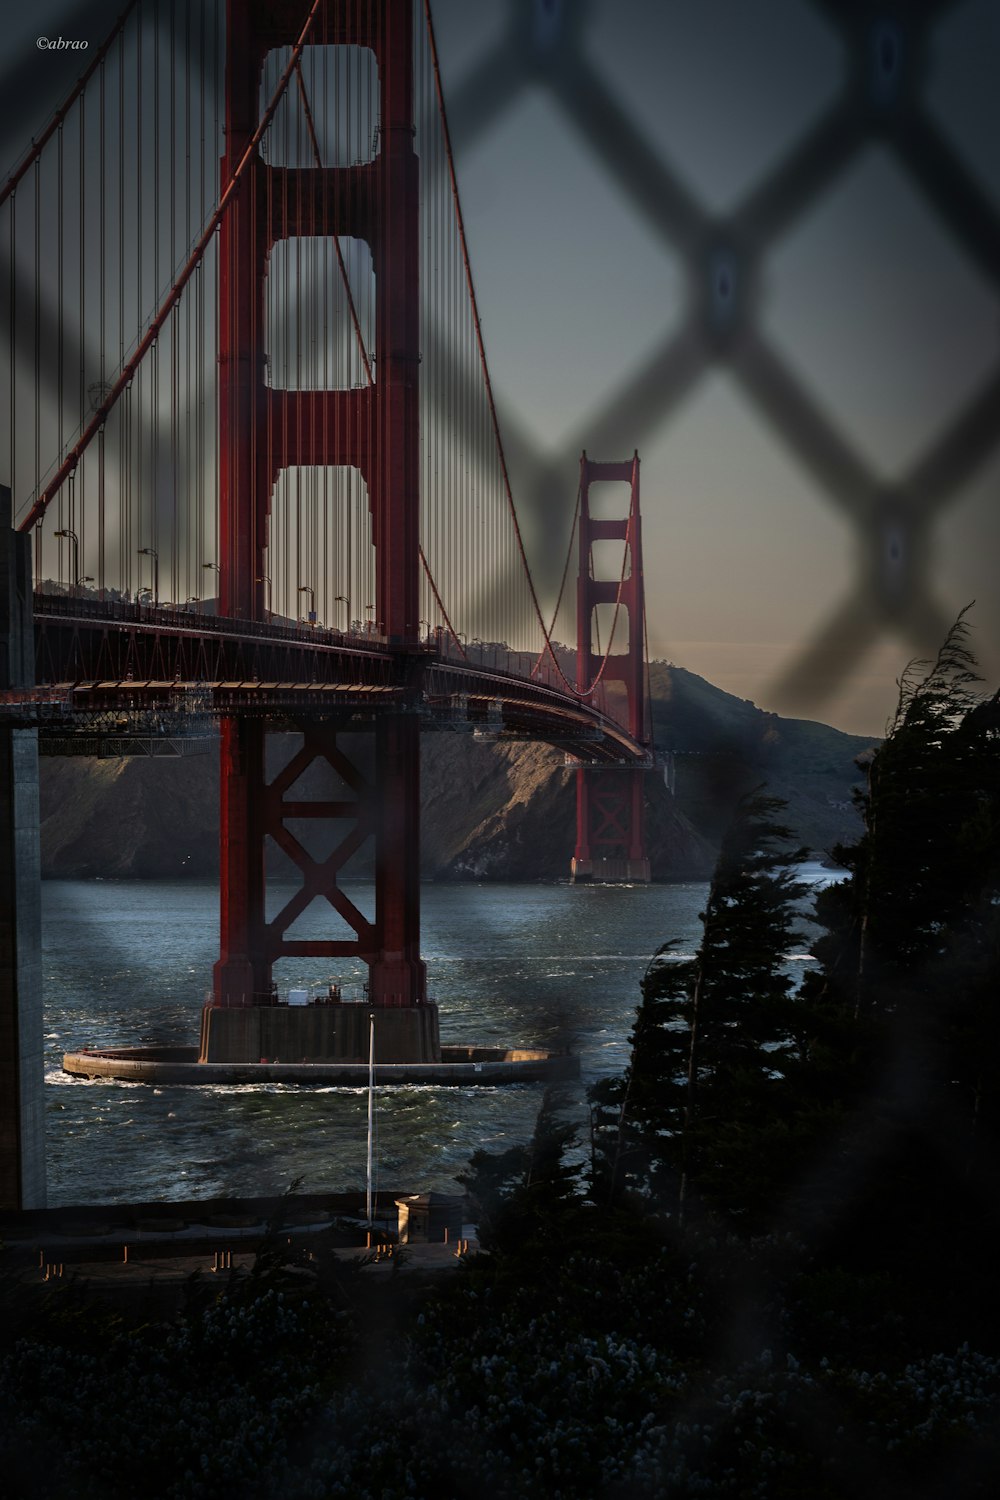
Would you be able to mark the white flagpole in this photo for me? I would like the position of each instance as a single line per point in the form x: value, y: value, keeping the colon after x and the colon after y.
x: 371, y: 1106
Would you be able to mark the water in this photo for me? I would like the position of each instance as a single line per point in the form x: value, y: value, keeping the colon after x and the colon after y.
x: 127, y: 962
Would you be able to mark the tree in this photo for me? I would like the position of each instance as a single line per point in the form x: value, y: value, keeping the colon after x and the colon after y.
x: 713, y: 1036
x: 530, y: 1193
x: 912, y: 950
x: 928, y: 853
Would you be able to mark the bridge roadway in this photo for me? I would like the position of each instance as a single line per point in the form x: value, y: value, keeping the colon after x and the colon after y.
x: 158, y: 670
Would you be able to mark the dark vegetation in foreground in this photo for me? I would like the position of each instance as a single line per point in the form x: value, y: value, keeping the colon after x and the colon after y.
x: 771, y: 1272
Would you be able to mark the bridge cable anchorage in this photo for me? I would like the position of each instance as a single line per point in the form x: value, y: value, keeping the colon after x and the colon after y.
x: 487, y: 382
x: 38, y: 145
x: 128, y: 370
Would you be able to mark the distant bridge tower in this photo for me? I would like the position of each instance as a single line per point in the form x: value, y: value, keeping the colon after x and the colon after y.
x: 374, y: 429
x: 610, y: 834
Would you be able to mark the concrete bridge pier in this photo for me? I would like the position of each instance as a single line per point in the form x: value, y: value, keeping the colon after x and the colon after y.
x: 22, y: 1111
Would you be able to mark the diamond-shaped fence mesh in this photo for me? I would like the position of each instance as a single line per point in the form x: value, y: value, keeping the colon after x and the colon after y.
x: 759, y: 244
x: 738, y: 226
x: 762, y: 304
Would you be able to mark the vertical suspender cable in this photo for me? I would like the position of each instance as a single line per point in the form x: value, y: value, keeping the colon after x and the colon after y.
x: 183, y: 488
x: 481, y: 350
x: 40, y: 141
x: 60, y: 295
x: 80, y: 489
x: 37, y: 331
x: 174, y: 324
x: 147, y: 534
x: 12, y: 368
x: 173, y: 295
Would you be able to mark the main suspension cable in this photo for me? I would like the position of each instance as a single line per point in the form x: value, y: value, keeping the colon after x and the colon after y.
x: 488, y: 384
x: 38, y: 145
x: 565, y: 575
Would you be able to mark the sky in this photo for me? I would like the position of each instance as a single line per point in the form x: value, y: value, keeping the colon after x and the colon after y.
x: 756, y: 240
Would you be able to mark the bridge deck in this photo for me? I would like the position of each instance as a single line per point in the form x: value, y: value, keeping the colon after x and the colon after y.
x: 150, y: 670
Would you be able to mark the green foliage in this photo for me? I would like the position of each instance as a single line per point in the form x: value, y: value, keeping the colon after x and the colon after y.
x: 835, y: 1152
x: 920, y: 907
x: 714, y: 1042
x: 202, y: 1407
x: 910, y: 973
x: 526, y: 1194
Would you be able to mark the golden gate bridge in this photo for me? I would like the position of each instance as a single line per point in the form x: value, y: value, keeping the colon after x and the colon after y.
x: 257, y: 480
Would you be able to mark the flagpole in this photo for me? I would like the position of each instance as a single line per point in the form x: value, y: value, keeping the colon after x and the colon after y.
x: 371, y: 1107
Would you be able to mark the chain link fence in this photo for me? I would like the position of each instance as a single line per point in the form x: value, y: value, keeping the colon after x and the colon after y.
x: 931, y: 219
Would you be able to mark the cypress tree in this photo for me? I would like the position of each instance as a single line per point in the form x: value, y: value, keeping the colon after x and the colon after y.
x: 529, y: 1194
x: 912, y: 949
x: 713, y: 1037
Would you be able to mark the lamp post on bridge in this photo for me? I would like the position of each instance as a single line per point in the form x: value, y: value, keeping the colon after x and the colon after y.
x: 345, y: 601
x: 152, y: 552
x: 307, y: 588
x: 214, y: 566
x: 71, y: 536
x: 264, y: 578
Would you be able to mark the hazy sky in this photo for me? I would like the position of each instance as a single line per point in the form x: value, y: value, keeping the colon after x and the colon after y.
x: 788, y: 339
x: 886, y: 324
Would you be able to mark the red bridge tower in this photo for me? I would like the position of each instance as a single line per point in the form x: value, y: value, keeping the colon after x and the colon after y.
x: 610, y: 843
x: 374, y: 429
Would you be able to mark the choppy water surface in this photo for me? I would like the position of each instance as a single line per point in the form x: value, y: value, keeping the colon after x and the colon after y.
x: 515, y: 965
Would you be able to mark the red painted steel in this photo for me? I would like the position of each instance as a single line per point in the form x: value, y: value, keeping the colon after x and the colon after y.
x: 610, y: 837
x: 374, y: 429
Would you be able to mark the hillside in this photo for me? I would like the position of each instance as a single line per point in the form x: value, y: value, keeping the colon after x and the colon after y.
x: 490, y: 811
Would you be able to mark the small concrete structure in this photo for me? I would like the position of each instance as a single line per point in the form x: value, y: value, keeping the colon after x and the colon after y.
x: 430, y: 1218
x: 323, y: 1031
x: 605, y: 870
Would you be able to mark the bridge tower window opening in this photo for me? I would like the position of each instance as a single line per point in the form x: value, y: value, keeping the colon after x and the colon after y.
x: 319, y: 315
x: 611, y: 625
x: 610, y: 559
x: 320, y: 536
x: 608, y: 500
x: 331, y: 112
